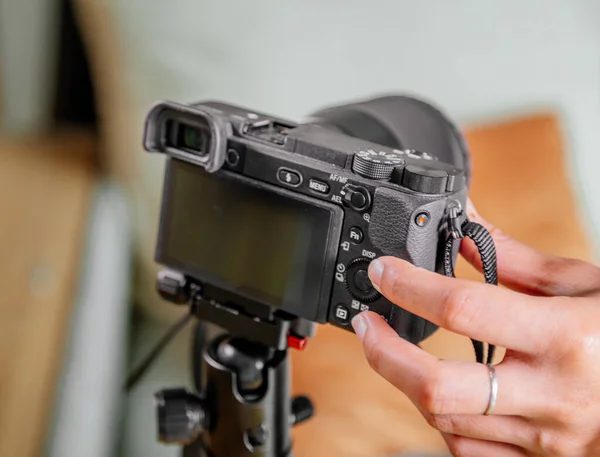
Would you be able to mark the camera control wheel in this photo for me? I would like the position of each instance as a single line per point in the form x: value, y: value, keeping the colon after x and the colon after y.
x: 358, y: 283
x: 376, y: 165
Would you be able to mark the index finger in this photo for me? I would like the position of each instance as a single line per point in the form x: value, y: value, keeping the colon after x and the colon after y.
x: 528, y: 270
x: 480, y: 311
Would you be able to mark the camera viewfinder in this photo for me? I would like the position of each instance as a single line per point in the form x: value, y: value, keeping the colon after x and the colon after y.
x: 194, y: 139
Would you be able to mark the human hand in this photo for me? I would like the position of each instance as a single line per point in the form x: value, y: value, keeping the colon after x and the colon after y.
x: 548, y: 318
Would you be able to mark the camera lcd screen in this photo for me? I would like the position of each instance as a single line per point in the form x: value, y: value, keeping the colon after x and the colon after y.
x: 266, y: 245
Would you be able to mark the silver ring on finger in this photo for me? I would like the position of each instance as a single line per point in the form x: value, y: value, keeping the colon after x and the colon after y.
x: 493, y: 390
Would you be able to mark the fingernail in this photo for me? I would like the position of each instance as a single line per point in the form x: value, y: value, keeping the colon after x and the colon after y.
x: 359, y: 324
x: 375, y: 273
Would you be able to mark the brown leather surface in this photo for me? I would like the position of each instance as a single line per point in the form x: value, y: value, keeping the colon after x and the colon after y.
x: 45, y: 191
x: 520, y: 180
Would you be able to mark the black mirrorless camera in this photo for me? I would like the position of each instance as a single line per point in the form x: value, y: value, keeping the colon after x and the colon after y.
x: 268, y: 217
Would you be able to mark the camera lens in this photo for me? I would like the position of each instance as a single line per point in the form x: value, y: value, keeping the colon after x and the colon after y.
x: 401, y: 122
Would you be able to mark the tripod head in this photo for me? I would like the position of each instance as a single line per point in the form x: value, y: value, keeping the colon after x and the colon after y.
x: 243, y: 407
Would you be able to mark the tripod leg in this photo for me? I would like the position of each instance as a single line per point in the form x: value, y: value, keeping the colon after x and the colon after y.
x: 248, y: 396
x: 242, y: 407
x: 195, y: 449
x: 199, y: 337
x: 198, y: 345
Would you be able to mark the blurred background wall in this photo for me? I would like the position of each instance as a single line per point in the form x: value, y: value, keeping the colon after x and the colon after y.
x: 476, y: 59
x: 44, y: 72
x: 29, y: 37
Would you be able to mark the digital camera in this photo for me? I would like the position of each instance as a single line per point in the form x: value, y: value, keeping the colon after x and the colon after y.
x: 268, y: 216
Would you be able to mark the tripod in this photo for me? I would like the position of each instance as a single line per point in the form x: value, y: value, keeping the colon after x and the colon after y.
x: 242, y: 407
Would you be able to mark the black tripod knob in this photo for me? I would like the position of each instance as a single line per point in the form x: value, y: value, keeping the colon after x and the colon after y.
x: 302, y: 409
x: 181, y: 416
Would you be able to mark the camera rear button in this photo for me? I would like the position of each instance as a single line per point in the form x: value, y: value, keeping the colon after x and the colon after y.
x: 356, y: 197
x: 233, y: 157
x: 342, y: 314
x: 289, y: 177
x: 356, y: 235
x: 362, y: 281
x: 318, y: 186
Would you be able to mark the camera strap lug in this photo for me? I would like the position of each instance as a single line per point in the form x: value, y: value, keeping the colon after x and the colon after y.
x: 456, y: 219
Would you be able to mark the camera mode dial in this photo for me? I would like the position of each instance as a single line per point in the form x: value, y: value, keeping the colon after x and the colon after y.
x: 358, y: 283
x: 377, y: 165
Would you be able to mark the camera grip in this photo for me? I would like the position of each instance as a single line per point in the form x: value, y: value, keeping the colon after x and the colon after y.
x: 394, y: 231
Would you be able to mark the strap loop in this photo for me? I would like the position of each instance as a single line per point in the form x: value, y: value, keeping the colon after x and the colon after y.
x: 459, y: 226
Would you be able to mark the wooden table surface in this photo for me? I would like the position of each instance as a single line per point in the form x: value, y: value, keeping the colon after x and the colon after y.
x: 45, y: 190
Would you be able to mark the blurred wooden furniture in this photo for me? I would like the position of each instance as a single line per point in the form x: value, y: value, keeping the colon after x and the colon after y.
x: 45, y: 189
x: 359, y: 414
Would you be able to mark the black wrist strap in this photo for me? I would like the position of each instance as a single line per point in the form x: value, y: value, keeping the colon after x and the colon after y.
x: 460, y: 227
